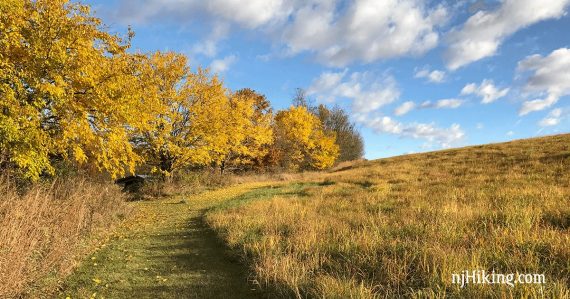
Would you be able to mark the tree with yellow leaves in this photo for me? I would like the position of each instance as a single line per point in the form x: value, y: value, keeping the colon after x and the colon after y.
x: 192, y: 130
x: 249, y: 129
x: 67, y: 90
x: 301, y: 142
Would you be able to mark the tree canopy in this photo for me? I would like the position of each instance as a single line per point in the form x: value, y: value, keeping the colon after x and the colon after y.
x: 69, y: 90
x: 337, y: 121
x: 301, y: 141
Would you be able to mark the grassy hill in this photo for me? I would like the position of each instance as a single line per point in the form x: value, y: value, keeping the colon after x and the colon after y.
x: 403, y: 226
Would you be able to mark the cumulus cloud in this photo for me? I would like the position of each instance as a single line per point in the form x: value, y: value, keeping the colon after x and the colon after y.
x: 552, y: 119
x: 444, y: 103
x: 365, y: 90
x: 435, y: 76
x: 337, y: 32
x: 368, y: 93
x: 485, y: 31
x: 222, y: 65
x: 449, y: 103
x: 404, y: 108
x: 256, y: 13
x: 487, y: 91
x: 538, y: 104
x: 209, y: 46
x: 549, y: 75
x: 366, y: 30
x: 386, y: 124
x: 444, y: 137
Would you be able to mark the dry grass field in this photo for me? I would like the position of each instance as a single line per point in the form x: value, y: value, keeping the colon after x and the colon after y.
x: 397, y: 227
x: 400, y: 227
x: 48, y: 229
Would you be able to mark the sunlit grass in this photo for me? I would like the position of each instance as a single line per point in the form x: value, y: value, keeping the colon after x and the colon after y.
x: 45, y: 231
x: 403, y: 226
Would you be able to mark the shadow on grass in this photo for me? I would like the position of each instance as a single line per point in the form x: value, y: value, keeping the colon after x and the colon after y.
x: 184, y: 261
x: 199, y: 265
x: 173, y: 256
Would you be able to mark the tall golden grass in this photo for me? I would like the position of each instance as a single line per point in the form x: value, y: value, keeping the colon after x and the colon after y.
x: 196, y: 181
x: 400, y: 227
x: 44, y: 231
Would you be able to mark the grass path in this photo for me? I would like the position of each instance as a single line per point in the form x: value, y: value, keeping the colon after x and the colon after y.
x: 165, y: 251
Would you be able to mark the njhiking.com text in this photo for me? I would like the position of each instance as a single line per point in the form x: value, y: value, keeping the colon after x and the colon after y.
x: 484, y: 277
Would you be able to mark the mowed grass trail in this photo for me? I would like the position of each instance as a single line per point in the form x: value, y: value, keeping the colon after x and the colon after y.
x: 165, y: 251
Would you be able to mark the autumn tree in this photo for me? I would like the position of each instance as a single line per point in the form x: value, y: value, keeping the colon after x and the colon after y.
x: 192, y: 130
x: 348, y: 139
x: 336, y: 120
x: 250, y: 131
x: 301, y: 141
x: 67, y: 89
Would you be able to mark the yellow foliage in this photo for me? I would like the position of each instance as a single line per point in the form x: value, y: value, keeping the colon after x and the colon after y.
x: 301, y: 141
x: 249, y: 129
x: 67, y: 89
x: 323, y: 151
x: 191, y: 129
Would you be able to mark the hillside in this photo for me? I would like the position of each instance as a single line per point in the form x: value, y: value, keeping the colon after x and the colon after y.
x: 403, y: 226
x: 397, y: 227
x: 217, y: 149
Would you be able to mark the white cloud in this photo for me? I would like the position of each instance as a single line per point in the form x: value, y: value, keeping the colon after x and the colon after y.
x: 538, y: 104
x: 256, y: 13
x: 366, y: 30
x: 209, y: 46
x: 444, y: 137
x: 487, y: 91
x: 385, y: 124
x: 480, y: 126
x: 222, y: 65
x: 510, y: 133
x: 404, y: 108
x: 550, y: 75
x: 435, y: 76
x: 408, y: 106
x: 367, y: 91
x: 448, y: 103
x: 426, y: 104
x: 470, y: 88
x: 552, y: 119
x: 335, y: 31
x: 326, y: 85
x: 485, y: 31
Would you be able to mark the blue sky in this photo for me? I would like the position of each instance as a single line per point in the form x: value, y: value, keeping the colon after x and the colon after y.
x: 415, y: 75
